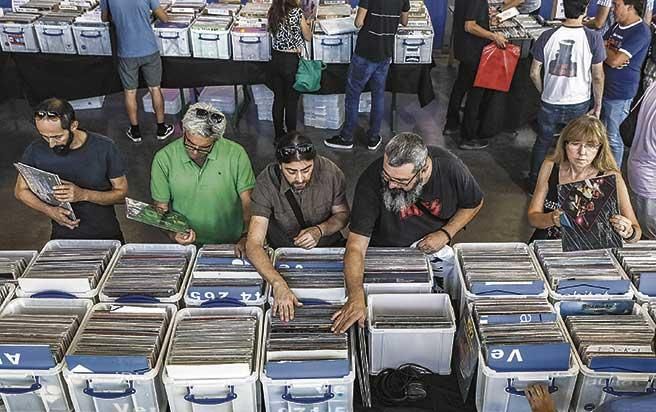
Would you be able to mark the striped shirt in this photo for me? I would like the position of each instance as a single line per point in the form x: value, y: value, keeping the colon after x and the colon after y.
x: 376, y: 37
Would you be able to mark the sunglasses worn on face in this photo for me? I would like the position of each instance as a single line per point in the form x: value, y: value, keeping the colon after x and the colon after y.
x: 297, y: 148
x: 212, y: 117
x: 203, y: 150
x: 43, y: 114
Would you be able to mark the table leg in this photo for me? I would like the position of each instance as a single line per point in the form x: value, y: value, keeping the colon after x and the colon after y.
x: 393, y: 114
x: 241, y: 109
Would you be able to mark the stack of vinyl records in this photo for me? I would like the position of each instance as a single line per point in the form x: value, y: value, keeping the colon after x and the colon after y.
x: 222, y: 9
x: 611, y: 336
x: 413, y: 321
x: 638, y: 259
x: 218, y: 274
x: 71, y: 263
x: 652, y: 310
x: 395, y: 265
x: 590, y: 272
x: 214, y: 346
x: 499, y: 270
x: 529, y: 324
x: 156, y: 274
x: 305, y: 347
x: 121, y: 332
x: 56, y: 331
x: 311, y: 271
x: 191, y: 7
x: 12, y: 266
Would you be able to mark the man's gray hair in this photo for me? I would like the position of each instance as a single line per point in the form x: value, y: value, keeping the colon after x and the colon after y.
x: 197, y: 126
x: 406, y: 148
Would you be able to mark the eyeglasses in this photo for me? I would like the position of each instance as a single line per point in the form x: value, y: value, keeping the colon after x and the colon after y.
x: 211, y: 117
x: 291, y: 150
x: 43, y: 114
x: 203, y: 150
x: 587, y: 146
x: 401, y: 182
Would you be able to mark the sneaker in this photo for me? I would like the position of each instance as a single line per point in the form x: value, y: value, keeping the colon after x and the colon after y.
x: 135, y: 137
x: 168, y: 131
x: 374, y: 142
x: 474, y: 144
x: 336, y: 142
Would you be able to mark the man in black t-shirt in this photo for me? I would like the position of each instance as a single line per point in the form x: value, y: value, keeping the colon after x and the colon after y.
x: 471, y: 25
x: 414, y: 194
x: 378, y: 21
x: 91, y: 169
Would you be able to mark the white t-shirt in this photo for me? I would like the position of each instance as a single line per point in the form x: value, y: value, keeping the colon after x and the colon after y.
x: 568, y: 54
x: 641, y: 168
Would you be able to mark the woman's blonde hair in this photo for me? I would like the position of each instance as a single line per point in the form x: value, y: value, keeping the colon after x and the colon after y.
x: 586, y: 129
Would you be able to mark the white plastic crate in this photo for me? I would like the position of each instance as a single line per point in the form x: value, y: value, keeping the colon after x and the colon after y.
x: 173, y: 41
x: 413, y: 47
x: 217, y: 394
x: 332, y: 48
x: 56, y: 39
x: 466, y: 296
x: 431, y: 348
x: 92, y: 392
x: 593, y: 388
x: 93, y: 41
x: 41, y: 390
x: 365, y: 103
x: 222, y: 97
x: 323, y: 111
x: 263, y: 98
x: 78, y: 288
x: 251, y: 46
x: 18, y: 37
x: 210, y: 44
x: 309, y: 395
x: 172, y: 101
x: 11, y: 292
x: 640, y: 297
x: 189, y: 251
x: 89, y: 103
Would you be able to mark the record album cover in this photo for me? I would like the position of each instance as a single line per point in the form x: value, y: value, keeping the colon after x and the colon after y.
x: 41, y: 183
x: 150, y: 215
x: 587, y: 208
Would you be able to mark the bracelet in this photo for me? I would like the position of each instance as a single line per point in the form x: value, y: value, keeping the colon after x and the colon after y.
x: 446, y: 233
x: 632, y: 235
x: 320, y: 231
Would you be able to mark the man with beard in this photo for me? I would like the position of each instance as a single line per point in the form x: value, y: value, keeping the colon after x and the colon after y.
x: 206, y: 178
x: 91, y: 169
x: 298, y: 201
x: 414, y: 194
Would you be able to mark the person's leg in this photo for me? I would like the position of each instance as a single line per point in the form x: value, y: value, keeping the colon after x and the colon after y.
x: 547, y: 125
x: 377, y: 85
x: 278, y: 85
x: 461, y: 86
x: 613, y: 113
x: 151, y: 69
x: 131, y: 106
x: 128, y: 72
x: 291, y: 95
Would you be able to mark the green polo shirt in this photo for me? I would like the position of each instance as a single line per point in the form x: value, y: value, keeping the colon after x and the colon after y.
x: 209, y: 196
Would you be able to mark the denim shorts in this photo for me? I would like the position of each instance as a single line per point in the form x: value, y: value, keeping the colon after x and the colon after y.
x: 150, y: 67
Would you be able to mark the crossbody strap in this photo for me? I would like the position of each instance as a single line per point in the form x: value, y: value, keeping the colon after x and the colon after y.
x: 293, y: 203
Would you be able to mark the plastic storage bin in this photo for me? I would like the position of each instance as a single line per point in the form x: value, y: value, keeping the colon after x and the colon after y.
x: 172, y: 101
x: 413, y: 46
x: 323, y: 111
x: 35, y: 287
x: 250, y: 45
x: 17, y: 33
x: 93, y: 40
x: 55, y: 38
x: 223, y: 97
x: 391, y: 348
x: 263, y: 97
x: 214, y: 395
x: 173, y: 38
x: 190, y: 253
x: 38, y: 390
x: 211, y: 43
x: 332, y: 48
x: 90, y: 103
x: 643, y: 291
x: 92, y: 392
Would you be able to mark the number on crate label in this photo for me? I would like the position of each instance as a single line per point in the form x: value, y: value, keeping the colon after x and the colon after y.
x: 14, y: 359
x: 514, y: 356
x: 205, y: 296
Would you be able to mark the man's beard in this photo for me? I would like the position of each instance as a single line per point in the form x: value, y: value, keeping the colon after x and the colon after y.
x: 396, y: 200
x: 64, y: 149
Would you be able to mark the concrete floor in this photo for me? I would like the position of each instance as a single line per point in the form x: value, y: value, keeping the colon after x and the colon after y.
x: 499, y: 168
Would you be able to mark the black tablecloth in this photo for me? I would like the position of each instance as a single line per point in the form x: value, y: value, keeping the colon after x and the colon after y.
x: 76, y: 77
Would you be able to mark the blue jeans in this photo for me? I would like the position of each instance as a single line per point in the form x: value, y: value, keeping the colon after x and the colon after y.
x: 360, y: 72
x: 613, y: 113
x: 552, y: 119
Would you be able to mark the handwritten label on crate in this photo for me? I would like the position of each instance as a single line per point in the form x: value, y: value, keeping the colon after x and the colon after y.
x: 26, y: 357
x: 593, y: 287
x: 648, y: 283
x: 241, y: 293
x: 528, y: 357
x: 508, y: 288
x: 517, y: 318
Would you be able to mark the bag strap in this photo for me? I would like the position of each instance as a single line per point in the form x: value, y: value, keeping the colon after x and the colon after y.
x: 293, y: 203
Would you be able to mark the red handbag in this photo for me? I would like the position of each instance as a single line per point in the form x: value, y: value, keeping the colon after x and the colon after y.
x: 497, y: 67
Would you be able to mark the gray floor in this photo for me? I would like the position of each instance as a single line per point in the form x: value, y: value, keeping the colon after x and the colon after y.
x: 499, y: 168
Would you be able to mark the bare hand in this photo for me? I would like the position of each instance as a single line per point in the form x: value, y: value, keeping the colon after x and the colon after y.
x: 62, y: 217
x: 540, y: 399
x: 500, y: 40
x: 353, y: 311
x: 69, y: 192
x: 284, y: 302
x: 308, y: 238
x: 185, y: 238
x: 555, y: 217
x: 433, y: 242
x: 240, y: 248
x: 595, y: 111
x: 622, y: 226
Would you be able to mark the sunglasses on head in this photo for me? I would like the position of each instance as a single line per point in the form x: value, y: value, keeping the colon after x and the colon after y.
x: 44, y: 114
x: 212, y: 117
x: 291, y: 150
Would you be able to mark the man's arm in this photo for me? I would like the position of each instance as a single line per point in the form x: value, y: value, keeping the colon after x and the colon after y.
x: 536, y: 75
x: 599, y: 19
x: 355, y: 308
x: 616, y: 58
x: 336, y: 222
x: 359, y: 17
x: 161, y: 15
x: 69, y: 192
x: 597, y: 87
x: 509, y: 4
x: 404, y: 18
x: 23, y: 193
x: 245, y: 197
x: 438, y: 239
x: 105, y: 17
x: 474, y: 29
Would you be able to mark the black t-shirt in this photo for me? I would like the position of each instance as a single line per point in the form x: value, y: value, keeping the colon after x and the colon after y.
x: 376, y: 37
x: 450, y: 187
x: 90, y: 166
x: 468, y: 47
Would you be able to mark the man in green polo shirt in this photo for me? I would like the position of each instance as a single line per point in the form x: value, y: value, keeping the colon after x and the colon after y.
x: 207, y: 178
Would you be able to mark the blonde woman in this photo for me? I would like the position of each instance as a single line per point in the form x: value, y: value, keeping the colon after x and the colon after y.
x: 582, y: 152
